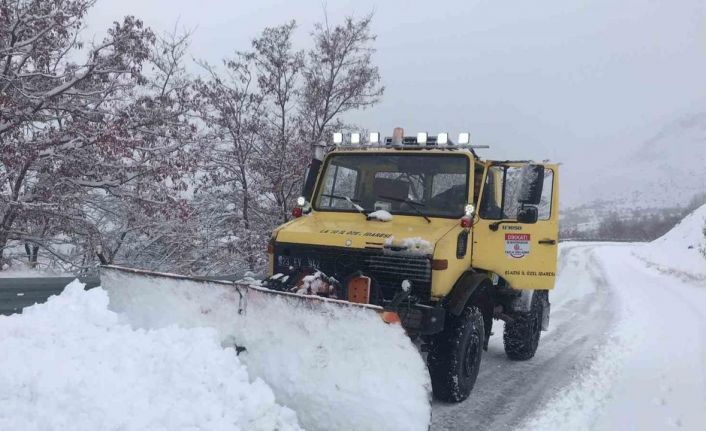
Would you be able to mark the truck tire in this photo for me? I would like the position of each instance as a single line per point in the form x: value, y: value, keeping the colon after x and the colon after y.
x: 455, y: 354
x: 521, y: 337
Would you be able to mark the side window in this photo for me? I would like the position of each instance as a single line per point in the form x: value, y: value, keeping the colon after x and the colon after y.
x: 511, y: 192
x: 491, y: 204
x: 501, y: 193
x: 339, y: 182
x: 545, y: 205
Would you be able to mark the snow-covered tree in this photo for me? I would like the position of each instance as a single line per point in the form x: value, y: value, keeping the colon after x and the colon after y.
x: 283, y: 154
x: 111, y: 153
x: 73, y: 130
x: 340, y: 76
x: 232, y: 111
x: 702, y: 249
x: 263, y: 110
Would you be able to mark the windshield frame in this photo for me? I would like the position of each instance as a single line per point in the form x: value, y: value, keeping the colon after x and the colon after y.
x: 332, y: 155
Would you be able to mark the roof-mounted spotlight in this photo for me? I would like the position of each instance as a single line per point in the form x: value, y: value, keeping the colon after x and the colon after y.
x: 442, y: 138
x: 338, y: 138
x: 374, y: 137
x: 464, y: 138
x: 422, y: 138
x: 355, y: 138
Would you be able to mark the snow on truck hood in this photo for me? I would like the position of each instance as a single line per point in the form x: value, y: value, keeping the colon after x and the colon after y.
x: 353, y: 230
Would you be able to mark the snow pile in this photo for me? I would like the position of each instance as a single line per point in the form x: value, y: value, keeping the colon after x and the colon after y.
x: 680, y: 251
x: 339, y: 367
x: 70, y: 364
x: 414, y: 245
x: 417, y: 245
x: 380, y: 215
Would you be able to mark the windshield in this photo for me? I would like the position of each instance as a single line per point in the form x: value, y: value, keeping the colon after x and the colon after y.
x: 435, y: 185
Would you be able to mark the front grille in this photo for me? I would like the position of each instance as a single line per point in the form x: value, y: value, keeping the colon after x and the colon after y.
x: 387, y: 269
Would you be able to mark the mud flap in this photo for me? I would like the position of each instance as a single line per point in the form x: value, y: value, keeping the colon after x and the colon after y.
x: 337, y: 364
x: 545, y: 316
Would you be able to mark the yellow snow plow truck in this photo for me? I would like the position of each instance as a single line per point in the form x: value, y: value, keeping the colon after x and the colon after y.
x: 394, y: 240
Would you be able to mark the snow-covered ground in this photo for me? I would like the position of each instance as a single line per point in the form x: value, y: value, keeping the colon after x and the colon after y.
x: 69, y: 364
x: 626, y: 349
x: 23, y: 271
x: 650, y: 373
x: 115, y: 359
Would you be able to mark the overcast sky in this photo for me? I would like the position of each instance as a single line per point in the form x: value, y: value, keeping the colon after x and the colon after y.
x: 558, y: 79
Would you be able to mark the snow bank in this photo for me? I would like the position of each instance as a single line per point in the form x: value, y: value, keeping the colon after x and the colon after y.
x: 338, y: 367
x: 70, y: 364
x: 681, y: 250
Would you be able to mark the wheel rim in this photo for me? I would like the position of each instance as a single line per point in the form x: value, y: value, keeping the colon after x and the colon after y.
x: 471, y: 352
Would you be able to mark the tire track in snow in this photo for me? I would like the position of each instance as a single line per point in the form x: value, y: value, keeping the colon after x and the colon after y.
x: 508, y: 392
x: 663, y: 384
x: 650, y: 375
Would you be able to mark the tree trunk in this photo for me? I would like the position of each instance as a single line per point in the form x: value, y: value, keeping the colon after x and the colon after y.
x: 102, y: 258
x: 3, y: 244
x: 32, y: 251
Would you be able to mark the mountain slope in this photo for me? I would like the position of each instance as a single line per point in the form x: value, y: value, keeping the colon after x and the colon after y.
x: 668, y: 170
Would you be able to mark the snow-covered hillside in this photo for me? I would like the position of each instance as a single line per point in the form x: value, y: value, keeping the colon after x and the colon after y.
x: 682, y: 251
x: 668, y: 170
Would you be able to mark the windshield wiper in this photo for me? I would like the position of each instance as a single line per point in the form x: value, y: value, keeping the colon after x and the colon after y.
x: 411, y: 204
x: 353, y: 202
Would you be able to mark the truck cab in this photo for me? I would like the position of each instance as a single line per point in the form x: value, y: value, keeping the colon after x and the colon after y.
x: 444, y: 241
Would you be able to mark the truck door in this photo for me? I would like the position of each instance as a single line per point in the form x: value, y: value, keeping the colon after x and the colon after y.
x: 516, y: 232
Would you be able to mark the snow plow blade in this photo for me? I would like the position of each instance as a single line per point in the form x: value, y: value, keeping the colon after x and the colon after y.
x: 337, y: 364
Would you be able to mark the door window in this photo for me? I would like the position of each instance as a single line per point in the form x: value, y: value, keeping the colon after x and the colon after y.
x: 501, y: 193
x: 545, y: 205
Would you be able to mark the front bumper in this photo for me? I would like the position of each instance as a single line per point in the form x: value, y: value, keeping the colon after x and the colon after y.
x: 418, y: 319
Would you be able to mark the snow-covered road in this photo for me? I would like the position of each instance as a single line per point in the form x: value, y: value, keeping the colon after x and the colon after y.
x: 626, y: 349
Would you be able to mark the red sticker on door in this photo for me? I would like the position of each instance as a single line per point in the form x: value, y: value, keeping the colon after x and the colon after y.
x: 517, y: 245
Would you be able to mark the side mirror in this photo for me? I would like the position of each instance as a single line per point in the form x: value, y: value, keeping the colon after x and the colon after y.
x: 531, y: 185
x: 528, y: 215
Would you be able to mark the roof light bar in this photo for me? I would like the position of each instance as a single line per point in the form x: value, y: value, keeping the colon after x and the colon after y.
x: 464, y: 138
x: 338, y: 138
x: 442, y: 138
x: 422, y: 138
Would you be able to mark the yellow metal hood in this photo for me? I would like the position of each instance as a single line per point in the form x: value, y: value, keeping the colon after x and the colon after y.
x: 339, y: 229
